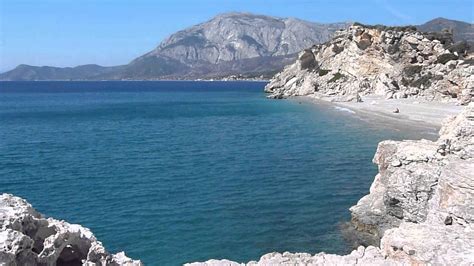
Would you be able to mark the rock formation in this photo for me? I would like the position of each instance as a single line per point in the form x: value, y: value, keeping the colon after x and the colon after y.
x: 421, y: 205
x: 27, y: 238
x: 396, y: 62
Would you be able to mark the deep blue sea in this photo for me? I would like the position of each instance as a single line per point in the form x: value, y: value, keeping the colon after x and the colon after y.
x: 175, y: 172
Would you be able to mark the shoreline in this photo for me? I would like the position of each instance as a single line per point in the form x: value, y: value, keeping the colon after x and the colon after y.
x: 417, y: 113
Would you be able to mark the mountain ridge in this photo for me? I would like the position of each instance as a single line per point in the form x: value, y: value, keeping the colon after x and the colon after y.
x: 230, y: 44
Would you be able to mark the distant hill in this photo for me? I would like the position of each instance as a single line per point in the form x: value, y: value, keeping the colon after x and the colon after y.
x: 229, y: 44
x: 26, y: 72
x: 462, y: 31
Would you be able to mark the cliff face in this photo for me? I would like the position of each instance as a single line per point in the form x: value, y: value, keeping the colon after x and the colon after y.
x: 422, y: 180
x: 423, y: 197
x: 27, y: 239
x: 394, y: 62
x: 421, y: 205
x: 235, y: 36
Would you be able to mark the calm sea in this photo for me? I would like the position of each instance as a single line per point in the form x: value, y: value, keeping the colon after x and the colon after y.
x: 175, y: 172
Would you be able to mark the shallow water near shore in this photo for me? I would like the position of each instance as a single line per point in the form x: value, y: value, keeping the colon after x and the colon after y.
x: 175, y: 172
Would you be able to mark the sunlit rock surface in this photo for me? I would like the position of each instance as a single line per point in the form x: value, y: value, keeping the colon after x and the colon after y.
x: 394, y: 62
x: 28, y: 238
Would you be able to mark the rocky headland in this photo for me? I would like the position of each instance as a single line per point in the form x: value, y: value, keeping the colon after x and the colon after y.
x: 27, y: 238
x: 392, y: 62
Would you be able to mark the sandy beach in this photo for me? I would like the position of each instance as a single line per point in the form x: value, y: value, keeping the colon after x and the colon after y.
x: 417, y: 113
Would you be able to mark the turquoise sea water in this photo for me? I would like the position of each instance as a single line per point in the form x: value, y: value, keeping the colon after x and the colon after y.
x: 175, y: 172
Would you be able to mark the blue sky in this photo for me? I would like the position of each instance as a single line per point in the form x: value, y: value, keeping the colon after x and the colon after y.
x: 112, y: 32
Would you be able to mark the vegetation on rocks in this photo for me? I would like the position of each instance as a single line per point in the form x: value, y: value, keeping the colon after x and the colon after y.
x: 412, y: 70
x: 387, y: 61
x: 444, y: 58
x: 336, y: 77
x: 323, y: 72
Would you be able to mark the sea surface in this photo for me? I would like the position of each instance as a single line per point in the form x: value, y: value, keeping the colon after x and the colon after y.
x: 175, y: 172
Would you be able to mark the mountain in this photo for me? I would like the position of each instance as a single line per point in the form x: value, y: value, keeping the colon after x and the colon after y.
x: 228, y: 44
x: 462, y: 31
x: 236, y: 36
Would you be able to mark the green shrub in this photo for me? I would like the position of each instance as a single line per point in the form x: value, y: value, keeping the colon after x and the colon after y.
x: 336, y: 77
x: 444, y: 58
x: 423, y: 80
x: 385, y: 28
x: 412, y: 70
x: 459, y: 47
x: 323, y: 72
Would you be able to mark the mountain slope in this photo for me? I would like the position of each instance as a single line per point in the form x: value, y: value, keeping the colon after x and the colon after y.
x: 231, y: 44
x: 235, y: 36
x: 462, y: 31
x: 228, y: 44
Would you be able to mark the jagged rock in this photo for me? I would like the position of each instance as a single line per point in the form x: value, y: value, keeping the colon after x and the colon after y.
x: 427, y: 244
x: 361, y: 256
x: 422, y: 187
x: 392, y: 62
x: 27, y: 238
x: 420, y: 206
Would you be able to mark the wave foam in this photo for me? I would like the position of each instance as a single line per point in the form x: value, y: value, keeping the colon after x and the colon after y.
x: 344, y: 109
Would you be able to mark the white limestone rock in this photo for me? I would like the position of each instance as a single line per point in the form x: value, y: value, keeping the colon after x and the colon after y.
x: 429, y: 244
x: 27, y: 238
x: 361, y: 256
x: 392, y: 62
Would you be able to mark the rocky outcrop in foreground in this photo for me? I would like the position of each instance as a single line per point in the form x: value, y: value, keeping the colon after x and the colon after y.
x: 27, y: 238
x: 396, y: 62
x: 421, y: 205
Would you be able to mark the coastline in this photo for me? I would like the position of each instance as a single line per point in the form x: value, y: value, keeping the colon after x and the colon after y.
x: 419, y: 209
x: 416, y: 113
